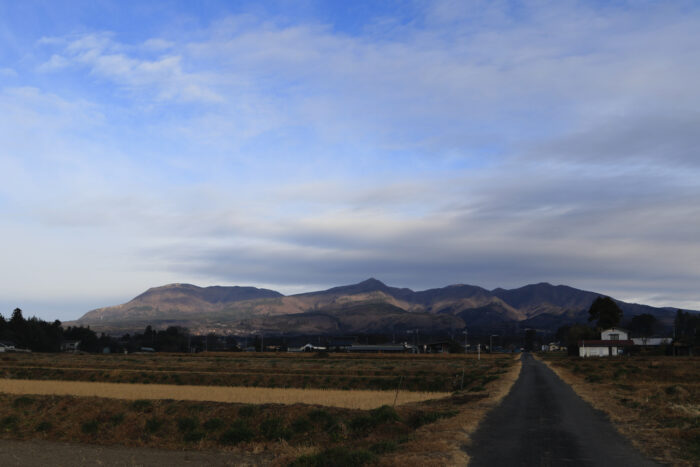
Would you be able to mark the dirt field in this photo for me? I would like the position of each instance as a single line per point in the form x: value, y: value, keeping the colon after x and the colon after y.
x: 653, y: 401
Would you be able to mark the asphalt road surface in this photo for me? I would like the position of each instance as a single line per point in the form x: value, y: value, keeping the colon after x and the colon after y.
x: 542, y: 422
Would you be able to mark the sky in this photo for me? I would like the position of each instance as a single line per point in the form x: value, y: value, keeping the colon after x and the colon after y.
x: 304, y: 145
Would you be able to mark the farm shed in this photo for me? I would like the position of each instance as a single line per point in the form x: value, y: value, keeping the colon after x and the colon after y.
x: 7, y: 346
x: 341, y: 344
x: 612, y: 342
x: 652, y: 341
x: 306, y: 348
x: 438, y: 347
x: 70, y: 346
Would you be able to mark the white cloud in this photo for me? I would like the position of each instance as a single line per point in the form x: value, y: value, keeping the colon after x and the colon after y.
x: 108, y: 59
x: 56, y: 62
x: 467, y: 145
x: 158, y: 44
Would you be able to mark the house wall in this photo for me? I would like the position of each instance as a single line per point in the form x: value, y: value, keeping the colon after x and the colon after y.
x: 599, y: 351
x: 595, y: 351
x: 623, y: 335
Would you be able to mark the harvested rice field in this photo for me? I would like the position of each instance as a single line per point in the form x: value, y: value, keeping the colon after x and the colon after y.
x: 422, y: 373
x: 353, y: 399
x: 287, y: 409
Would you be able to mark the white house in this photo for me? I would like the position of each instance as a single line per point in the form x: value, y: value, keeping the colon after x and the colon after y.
x: 612, y: 343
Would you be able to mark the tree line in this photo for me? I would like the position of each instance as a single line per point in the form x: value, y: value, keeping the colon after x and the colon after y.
x: 38, y: 335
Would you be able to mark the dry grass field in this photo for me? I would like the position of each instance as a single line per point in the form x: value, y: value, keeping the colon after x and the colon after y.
x: 654, y: 401
x: 368, y: 429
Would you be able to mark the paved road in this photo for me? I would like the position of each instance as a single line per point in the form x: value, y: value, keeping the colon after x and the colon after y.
x: 542, y: 422
x: 47, y: 453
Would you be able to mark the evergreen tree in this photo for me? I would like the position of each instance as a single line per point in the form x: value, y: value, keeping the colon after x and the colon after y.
x: 605, y: 312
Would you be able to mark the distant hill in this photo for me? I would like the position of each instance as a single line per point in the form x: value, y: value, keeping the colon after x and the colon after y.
x: 366, y: 307
x: 176, y: 301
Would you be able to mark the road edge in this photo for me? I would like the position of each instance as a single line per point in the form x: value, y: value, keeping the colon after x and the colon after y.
x: 443, y: 443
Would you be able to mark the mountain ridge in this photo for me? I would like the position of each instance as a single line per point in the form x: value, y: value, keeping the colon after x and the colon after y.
x: 367, y: 306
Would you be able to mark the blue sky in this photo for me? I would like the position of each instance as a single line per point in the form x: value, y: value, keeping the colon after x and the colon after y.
x: 301, y: 145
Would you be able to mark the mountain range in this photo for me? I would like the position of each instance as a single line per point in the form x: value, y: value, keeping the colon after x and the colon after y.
x: 366, y: 307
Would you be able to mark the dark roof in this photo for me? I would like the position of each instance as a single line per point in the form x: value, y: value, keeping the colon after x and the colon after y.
x: 605, y: 343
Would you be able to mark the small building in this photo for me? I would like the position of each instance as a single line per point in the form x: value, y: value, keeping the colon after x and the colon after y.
x: 553, y: 347
x: 386, y: 348
x: 652, y: 341
x: 70, y: 346
x: 438, y: 347
x: 341, y: 344
x: 612, y: 342
x: 7, y: 346
x: 307, y: 348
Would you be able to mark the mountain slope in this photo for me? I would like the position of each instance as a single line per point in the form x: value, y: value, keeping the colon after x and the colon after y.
x: 178, y: 300
x: 368, y: 306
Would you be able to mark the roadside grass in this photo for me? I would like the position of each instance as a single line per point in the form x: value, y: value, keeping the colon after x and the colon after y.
x: 653, y: 401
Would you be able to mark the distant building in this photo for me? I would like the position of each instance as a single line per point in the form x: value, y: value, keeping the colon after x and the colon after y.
x: 652, y: 341
x: 306, y: 348
x: 70, y: 346
x: 7, y: 346
x: 612, y: 342
x: 553, y: 347
x: 341, y: 344
x: 438, y: 347
x: 386, y: 348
